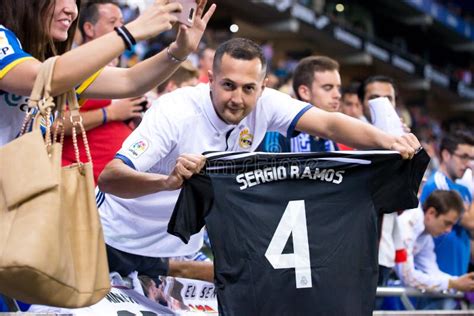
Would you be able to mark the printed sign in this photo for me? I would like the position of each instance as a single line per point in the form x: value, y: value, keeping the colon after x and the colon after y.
x: 175, y: 296
x: 186, y: 296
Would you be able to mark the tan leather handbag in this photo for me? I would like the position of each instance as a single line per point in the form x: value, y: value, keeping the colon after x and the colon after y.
x: 52, y: 250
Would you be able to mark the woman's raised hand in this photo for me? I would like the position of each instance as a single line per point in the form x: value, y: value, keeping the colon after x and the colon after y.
x: 188, y: 38
x: 154, y: 20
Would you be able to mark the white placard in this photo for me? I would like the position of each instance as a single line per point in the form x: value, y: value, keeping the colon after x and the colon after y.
x: 385, y: 117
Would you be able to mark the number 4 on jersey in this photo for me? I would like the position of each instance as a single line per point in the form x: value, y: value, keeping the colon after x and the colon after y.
x: 293, y: 222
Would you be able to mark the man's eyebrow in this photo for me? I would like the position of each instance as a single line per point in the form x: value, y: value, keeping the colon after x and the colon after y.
x: 227, y: 79
x: 233, y: 82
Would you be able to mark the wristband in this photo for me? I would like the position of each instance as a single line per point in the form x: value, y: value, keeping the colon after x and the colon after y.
x: 126, y: 36
x: 104, y: 116
x: 172, y: 57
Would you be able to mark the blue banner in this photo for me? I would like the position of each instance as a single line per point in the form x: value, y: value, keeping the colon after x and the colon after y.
x: 443, y: 16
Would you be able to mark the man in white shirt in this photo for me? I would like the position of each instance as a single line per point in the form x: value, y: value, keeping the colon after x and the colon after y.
x: 232, y: 113
x: 441, y: 210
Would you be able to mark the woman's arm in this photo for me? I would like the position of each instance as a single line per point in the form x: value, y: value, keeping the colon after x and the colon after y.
x: 144, y: 76
x: 80, y: 63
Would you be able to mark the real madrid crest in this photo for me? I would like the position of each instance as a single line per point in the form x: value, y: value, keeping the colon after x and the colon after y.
x: 245, y: 138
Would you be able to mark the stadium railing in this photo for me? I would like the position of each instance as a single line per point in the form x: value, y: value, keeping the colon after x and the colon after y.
x: 404, y: 293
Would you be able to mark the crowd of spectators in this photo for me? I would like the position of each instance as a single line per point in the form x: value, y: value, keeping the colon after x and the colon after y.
x: 281, y: 73
x: 430, y: 130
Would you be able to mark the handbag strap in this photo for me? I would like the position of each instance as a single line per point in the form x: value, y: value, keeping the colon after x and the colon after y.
x: 76, y: 120
x: 41, y: 94
x: 42, y: 100
x: 40, y: 103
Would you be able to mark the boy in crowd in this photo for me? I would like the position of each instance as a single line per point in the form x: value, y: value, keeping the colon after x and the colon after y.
x: 316, y: 80
x: 440, y: 211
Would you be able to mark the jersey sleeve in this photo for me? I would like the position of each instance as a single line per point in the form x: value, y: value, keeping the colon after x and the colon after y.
x: 283, y: 111
x: 438, y: 181
x: 194, y: 202
x: 151, y: 141
x: 465, y: 193
x: 395, y: 182
x: 427, y: 189
x: 11, y: 52
x: 84, y: 85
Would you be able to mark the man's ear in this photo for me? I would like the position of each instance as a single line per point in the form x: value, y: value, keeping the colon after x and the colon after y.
x: 210, y: 75
x: 304, y: 93
x: 264, y: 84
x: 445, y: 154
x: 88, y: 29
x: 431, y: 211
x: 171, y: 86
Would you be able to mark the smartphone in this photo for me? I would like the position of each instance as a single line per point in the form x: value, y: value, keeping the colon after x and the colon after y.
x: 186, y: 16
x: 144, y: 105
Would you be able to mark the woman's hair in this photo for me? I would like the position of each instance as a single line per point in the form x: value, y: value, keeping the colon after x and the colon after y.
x: 29, y: 20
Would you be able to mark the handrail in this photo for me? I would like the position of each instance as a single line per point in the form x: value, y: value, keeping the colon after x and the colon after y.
x: 385, y: 291
x: 405, y: 292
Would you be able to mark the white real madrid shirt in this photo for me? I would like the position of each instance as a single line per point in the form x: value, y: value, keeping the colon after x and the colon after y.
x: 183, y: 121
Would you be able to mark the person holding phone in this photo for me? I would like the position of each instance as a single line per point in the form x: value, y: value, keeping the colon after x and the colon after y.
x: 33, y: 30
x: 104, y: 119
x: 186, y: 15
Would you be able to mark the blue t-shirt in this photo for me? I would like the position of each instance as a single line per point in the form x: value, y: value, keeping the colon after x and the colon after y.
x: 453, y: 250
x: 274, y: 142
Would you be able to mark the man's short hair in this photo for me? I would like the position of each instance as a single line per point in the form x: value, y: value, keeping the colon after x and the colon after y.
x: 304, y: 71
x: 186, y: 71
x: 201, y: 51
x: 378, y: 78
x: 444, y: 201
x: 451, y: 141
x: 239, y: 48
x: 353, y: 88
x: 90, y: 12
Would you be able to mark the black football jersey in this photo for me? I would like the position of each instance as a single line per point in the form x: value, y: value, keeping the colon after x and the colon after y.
x: 296, y: 234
